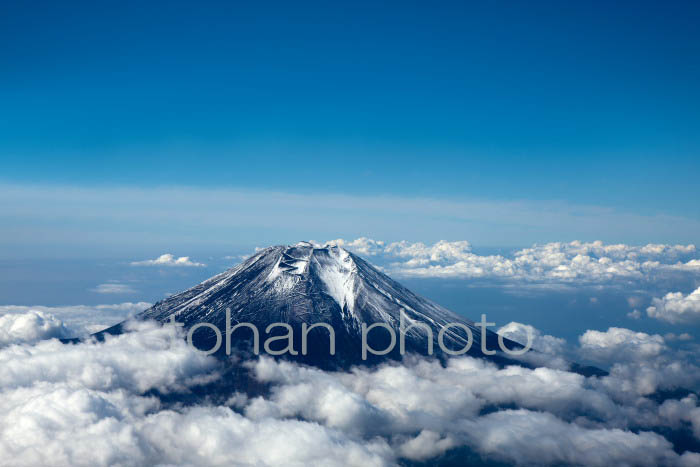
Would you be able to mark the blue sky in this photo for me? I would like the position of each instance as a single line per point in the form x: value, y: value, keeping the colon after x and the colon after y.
x: 584, y: 107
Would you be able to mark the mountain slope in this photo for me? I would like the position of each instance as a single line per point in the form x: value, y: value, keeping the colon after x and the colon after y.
x: 307, y: 283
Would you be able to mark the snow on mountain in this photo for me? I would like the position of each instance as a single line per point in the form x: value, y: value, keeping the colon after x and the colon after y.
x: 310, y: 283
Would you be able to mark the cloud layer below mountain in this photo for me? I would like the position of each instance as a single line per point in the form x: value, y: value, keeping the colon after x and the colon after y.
x: 91, y: 404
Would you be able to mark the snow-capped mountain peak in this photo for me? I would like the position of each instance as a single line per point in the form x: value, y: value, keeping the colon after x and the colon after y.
x: 311, y: 283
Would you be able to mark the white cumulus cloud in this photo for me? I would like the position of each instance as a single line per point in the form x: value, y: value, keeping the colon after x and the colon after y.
x: 424, y: 409
x: 675, y: 308
x: 87, y: 405
x: 168, y: 259
x: 557, y: 262
x: 640, y: 363
x: 91, y: 404
x: 81, y: 319
x: 31, y: 326
x: 550, y: 351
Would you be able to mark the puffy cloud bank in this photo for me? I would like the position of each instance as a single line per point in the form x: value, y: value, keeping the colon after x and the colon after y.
x: 168, y: 259
x: 639, y: 363
x: 32, y: 326
x: 93, y: 404
x: 676, y: 308
x: 77, y: 320
x: 542, y: 416
x: 582, y: 262
x: 90, y: 404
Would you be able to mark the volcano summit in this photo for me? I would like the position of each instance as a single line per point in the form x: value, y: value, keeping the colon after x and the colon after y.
x: 296, y: 287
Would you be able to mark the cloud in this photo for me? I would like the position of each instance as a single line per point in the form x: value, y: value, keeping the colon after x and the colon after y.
x: 565, y: 263
x: 362, y: 245
x: 151, y: 357
x: 520, y: 435
x: 520, y: 332
x: 81, y: 319
x: 634, y: 314
x: 219, y: 436
x: 640, y: 363
x: 685, y: 410
x: 426, y: 445
x: 66, y: 425
x: 86, y: 404
x: 91, y: 404
x: 676, y: 308
x: 551, y: 351
x: 425, y: 409
x: 237, y: 257
x: 31, y: 326
x: 168, y: 260
x: 617, y: 344
x: 678, y: 337
x: 113, y: 288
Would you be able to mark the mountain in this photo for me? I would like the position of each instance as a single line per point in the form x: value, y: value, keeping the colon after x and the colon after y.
x: 309, y: 283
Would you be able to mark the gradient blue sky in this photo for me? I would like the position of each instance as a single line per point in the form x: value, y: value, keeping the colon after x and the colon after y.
x: 591, y: 106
